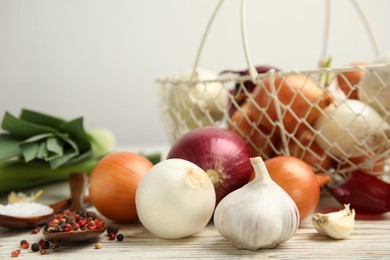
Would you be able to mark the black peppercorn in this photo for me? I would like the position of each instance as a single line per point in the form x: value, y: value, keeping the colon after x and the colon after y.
x: 35, y: 247
x: 120, y: 237
x: 112, y: 229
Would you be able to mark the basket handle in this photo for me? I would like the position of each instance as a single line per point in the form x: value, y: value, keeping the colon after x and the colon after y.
x: 252, y: 71
x: 364, y: 19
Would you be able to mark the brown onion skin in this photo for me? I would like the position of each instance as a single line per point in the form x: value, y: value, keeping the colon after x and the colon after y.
x: 298, y: 179
x: 217, y: 149
x: 113, y: 184
x: 261, y: 138
x: 311, y: 154
x: 353, y: 77
x: 299, y: 98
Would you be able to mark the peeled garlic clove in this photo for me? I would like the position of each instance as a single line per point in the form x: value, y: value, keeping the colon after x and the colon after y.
x: 337, y: 225
x: 258, y: 215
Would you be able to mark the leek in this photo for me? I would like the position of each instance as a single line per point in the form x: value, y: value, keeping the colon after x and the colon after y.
x: 37, y: 149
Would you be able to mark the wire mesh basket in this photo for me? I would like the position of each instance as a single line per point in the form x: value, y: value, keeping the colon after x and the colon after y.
x: 335, y: 119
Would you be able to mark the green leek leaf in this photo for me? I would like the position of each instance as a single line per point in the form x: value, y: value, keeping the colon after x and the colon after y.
x: 9, y: 146
x: 29, y: 151
x: 55, y: 145
x: 41, y: 119
x: 23, y: 129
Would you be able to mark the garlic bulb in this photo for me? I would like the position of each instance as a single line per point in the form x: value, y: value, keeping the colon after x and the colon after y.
x: 258, y: 215
x: 175, y: 199
x: 199, y: 104
x: 337, y: 225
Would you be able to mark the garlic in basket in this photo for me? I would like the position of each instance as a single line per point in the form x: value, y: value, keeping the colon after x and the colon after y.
x: 197, y: 100
x: 258, y: 215
x: 337, y: 225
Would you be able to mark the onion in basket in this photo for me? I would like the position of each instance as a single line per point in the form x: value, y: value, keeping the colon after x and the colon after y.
x: 299, y: 98
x: 375, y: 87
x: 351, y: 129
x: 193, y: 102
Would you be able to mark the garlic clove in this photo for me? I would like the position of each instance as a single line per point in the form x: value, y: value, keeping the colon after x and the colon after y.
x: 337, y: 225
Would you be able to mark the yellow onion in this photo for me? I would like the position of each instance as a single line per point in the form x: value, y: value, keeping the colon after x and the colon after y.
x: 113, y: 184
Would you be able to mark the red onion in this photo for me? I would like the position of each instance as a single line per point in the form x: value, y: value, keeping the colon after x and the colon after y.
x: 365, y: 193
x: 224, y: 155
x: 249, y: 85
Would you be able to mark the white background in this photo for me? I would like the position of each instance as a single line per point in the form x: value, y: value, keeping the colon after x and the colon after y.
x: 99, y: 58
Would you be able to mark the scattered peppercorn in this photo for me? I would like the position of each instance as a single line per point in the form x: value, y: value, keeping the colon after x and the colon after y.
x: 112, y: 229
x: 45, y: 244
x: 42, y: 251
x: 15, y: 253
x: 35, y: 230
x: 24, y: 244
x: 111, y: 236
x: 98, y: 245
x: 120, y: 237
x: 35, y: 247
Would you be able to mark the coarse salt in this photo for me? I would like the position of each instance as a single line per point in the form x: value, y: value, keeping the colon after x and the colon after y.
x: 25, y: 209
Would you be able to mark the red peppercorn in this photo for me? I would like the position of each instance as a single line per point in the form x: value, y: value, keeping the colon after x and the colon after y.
x: 42, y: 251
x: 81, y: 223
x: 68, y: 228
x: 15, y: 253
x: 24, y: 244
x: 99, y: 223
x: 91, y: 227
x: 35, y: 230
x: 111, y: 236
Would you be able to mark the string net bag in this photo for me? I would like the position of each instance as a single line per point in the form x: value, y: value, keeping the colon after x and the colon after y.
x: 335, y: 119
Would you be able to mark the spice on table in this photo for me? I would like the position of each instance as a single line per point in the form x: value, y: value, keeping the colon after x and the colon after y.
x: 35, y: 247
x: 98, y: 245
x: 15, y: 253
x: 120, y: 237
x: 111, y: 236
x: 44, y: 243
x: 24, y: 244
x: 112, y: 229
x: 35, y: 231
x: 42, y: 251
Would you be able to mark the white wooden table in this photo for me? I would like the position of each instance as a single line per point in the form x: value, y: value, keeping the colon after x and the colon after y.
x: 370, y: 240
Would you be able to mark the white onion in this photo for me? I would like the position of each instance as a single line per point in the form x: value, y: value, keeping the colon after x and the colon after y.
x: 199, y: 104
x: 175, y: 199
x: 375, y: 87
x: 351, y: 129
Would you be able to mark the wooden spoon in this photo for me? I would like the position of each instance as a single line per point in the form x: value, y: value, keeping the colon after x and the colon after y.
x: 78, y: 183
x: 27, y: 222
x: 14, y: 222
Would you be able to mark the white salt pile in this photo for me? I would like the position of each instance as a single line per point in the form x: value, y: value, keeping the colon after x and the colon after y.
x: 25, y: 209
